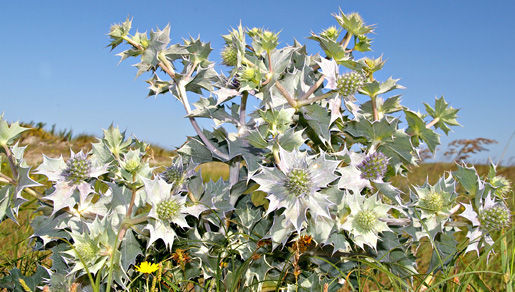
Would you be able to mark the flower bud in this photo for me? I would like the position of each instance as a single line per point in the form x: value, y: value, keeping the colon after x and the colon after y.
x: 173, y: 175
x: 349, y: 83
x: 373, y: 166
x: 230, y: 56
x: 432, y: 202
x: 132, y: 165
x: 86, y: 251
x: 269, y: 40
x: 331, y: 33
x: 168, y: 210
x: 77, y: 169
x: 502, y: 185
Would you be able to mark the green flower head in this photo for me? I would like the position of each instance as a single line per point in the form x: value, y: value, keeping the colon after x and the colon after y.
x: 294, y: 185
x: 363, y: 222
x: 167, y: 207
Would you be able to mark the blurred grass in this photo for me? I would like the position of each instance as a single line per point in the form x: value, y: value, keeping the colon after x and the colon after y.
x: 16, y: 248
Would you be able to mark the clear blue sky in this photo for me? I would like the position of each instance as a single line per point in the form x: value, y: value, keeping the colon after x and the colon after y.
x: 56, y: 68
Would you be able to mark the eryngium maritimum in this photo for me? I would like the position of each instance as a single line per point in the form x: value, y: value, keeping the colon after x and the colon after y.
x: 363, y: 221
x: 349, y: 83
x: 373, y: 166
x: 230, y: 56
x: 167, y: 207
x: 77, y: 168
x: 294, y: 185
x: 495, y: 217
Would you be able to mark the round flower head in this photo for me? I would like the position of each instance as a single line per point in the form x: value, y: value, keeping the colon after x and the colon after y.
x: 349, y: 83
x: 374, y: 166
x: 77, y: 169
x: 230, y: 56
x: 363, y: 222
x: 295, y: 184
x: 167, y: 207
x: 495, y: 217
x: 435, y: 201
x: 491, y: 216
x: 69, y: 177
x: 147, y: 268
x: 178, y: 173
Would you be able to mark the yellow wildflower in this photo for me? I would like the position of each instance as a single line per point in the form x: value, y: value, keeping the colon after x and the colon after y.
x: 147, y: 268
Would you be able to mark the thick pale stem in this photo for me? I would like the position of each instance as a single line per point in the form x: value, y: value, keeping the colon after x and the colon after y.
x: 10, y: 158
x: 315, y: 99
x: 276, y: 157
x: 121, y: 234
x: 6, y: 179
x: 374, y: 108
x: 205, y: 140
x: 396, y: 222
x: 289, y: 98
x: 432, y: 123
x: 234, y: 170
x: 243, y: 109
x: 346, y: 39
x: 192, y: 197
x: 313, y: 88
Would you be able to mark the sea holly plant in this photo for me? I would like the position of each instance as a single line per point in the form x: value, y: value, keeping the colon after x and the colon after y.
x: 307, y: 203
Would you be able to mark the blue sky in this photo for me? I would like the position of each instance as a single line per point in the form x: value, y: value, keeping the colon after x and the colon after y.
x: 56, y: 67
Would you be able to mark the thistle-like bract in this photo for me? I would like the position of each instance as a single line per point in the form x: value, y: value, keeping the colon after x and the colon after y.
x: 70, y: 177
x: 502, y: 185
x: 167, y: 207
x: 295, y: 185
x: 349, y: 83
x: 331, y: 33
x: 374, y: 166
x: 490, y: 216
x: 363, y: 222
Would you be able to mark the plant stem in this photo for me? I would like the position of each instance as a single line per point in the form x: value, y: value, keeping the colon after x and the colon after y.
x: 313, y: 88
x: 276, y: 157
x: 10, y: 158
x: 184, y: 98
x: 432, y: 123
x: 7, y: 179
x: 315, y: 99
x: 346, y: 39
x: 243, y: 107
x: 374, y: 108
x: 289, y: 98
x: 120, y: 236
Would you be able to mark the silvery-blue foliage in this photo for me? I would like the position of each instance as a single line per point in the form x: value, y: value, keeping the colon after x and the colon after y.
x: 308, y: 182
